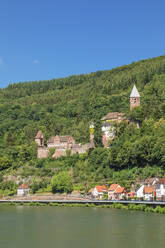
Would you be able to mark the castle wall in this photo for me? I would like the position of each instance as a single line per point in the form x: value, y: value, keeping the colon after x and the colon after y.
x: 42, y: 152
x: 59, y: 152
x: 38, y: 141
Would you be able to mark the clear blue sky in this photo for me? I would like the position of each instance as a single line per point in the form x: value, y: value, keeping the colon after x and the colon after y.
x: 44, y: 39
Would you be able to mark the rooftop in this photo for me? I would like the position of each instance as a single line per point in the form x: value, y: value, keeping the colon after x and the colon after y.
x: 134, y: 92
x: 23, y: 186
x: 148, y: 189
x: 113, y: 115
x: 102, y: 188
x: 39, y: 135
x: 113, y: 187
x: 161, y: 181
x: 119, y: 190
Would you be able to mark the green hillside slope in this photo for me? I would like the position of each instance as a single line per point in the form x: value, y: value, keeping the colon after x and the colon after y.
x: 67, y: 105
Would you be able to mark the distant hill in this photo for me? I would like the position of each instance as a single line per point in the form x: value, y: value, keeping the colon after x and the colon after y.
x: 67, y: 106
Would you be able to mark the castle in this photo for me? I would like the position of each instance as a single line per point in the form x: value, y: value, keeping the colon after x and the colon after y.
x: 62, y: 144
x: 108, y: 121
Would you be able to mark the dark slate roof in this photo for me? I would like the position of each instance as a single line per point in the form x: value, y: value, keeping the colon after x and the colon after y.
x: 113, y: 115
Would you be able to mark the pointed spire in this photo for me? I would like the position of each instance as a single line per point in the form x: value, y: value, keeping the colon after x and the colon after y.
x: 134, y: 92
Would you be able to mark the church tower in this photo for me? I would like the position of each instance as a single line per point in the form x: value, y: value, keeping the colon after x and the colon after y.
x: 134, y: 98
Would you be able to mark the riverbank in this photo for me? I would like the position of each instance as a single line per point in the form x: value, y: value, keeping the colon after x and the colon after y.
x: 97, y: 204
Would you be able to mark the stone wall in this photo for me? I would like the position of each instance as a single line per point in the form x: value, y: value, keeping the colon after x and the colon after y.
x: 42, y: 152
x: 134, y: 102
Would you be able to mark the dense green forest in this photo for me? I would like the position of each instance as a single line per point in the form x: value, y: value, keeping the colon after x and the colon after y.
x: 67, y: 106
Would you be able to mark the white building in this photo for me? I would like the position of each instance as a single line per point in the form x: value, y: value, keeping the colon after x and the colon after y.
x: 160, y: 188
x: 140, y: 192
x: 23, y: 190
x: 98, y: 191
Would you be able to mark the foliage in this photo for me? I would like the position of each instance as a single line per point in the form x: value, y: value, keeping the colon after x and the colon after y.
x: 68, y: 105
x: 62, y: 182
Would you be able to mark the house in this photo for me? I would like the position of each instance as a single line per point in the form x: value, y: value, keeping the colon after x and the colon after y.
x: 151, y: 181
x: 111, y: 191
x: 160, y: 189
x: 120, y: 193
x: 148, y: 193
x: 98, y: 191
x: 23, y: 190
x: 140, y: 192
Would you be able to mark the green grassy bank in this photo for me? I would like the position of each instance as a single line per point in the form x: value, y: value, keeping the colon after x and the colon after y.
x: 139, y: 207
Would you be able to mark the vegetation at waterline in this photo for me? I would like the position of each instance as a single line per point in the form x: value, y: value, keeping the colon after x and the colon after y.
x: 67, y: 106
x: 139, y: 207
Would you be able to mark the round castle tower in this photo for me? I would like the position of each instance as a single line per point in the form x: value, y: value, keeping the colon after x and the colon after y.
x: 134, y: 98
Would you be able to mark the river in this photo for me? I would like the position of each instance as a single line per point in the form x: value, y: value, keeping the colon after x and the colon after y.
x: 67, y: 227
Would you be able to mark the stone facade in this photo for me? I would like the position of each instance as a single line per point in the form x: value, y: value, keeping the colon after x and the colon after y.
x: 39, y: 139
x: 66, y: 142
x: 42, y: 152
x: 62, y: 144
x: 108, y: 126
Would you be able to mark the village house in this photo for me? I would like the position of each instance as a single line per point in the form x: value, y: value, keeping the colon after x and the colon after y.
x: 151, y: 181
x: 140, y: 192
x: 98, y: 191
x: 23, y: 190
x: 110, y: 120
x: 160, y: 189
x: 120, y: 193
x: 111, y: 191
x: 146, y: 192
x: 149, y: 193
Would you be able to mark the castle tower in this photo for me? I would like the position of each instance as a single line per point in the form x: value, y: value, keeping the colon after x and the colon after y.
x: 134, y: 98
x: 39, y: 139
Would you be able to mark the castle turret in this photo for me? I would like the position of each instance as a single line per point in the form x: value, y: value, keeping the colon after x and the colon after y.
x: 134, y: 98
x: 39, y: 139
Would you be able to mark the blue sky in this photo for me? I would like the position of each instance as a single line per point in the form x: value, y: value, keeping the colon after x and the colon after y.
x: 44, y: 39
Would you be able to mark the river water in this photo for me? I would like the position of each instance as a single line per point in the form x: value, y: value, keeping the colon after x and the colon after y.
x: 66, y: 227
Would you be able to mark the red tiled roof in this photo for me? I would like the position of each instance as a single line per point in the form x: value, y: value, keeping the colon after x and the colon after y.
x: 113, y: 187
x: 23, y: 186
x: 119, y: 190
x: 90, y: 191
x: 102, y: 188
x: 161, y: 181
x: 148, y: 189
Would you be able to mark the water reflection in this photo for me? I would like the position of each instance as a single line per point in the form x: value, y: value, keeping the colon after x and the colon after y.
x: 79, y: 227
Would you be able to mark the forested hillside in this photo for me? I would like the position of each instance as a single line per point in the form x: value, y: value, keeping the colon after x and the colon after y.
x: 67, y: 106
